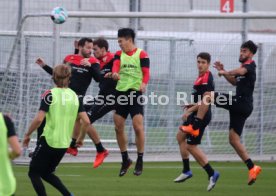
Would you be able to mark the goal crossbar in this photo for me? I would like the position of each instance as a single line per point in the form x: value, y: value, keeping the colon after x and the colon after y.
x: 164, y: 15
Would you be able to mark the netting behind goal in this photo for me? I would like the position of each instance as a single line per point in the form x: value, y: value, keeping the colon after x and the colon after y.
x: 172, y: 51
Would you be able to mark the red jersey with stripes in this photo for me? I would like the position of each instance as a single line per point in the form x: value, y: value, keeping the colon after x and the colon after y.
x: 144, y: 60
x: 204, y: 83
x: 81, y: 75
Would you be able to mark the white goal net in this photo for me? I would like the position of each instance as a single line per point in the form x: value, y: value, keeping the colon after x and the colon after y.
x: 172, y: 48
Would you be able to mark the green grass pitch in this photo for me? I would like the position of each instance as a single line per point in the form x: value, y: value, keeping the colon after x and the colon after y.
x: 157, y: 180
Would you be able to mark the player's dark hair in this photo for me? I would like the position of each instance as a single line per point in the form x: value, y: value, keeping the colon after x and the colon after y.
x: 61, y: 75
x: 82, y: 41
x: 126, y: 33
x: 101, y: 43
x: 250, y: 45
x: 205, y: 55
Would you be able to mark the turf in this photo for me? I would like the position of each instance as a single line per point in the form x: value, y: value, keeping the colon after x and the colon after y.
x: 157, y: 180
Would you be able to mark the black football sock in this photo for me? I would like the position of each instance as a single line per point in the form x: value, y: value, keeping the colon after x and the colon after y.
x: 73, y: 143
x: 99, y: 147
x: 249, y: 164
x: 209, y: 170
x: 124, y: 156
x: 186, y: 165
x: 140, y: 156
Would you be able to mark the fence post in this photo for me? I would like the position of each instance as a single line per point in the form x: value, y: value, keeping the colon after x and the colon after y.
x: 260, y: 99
x: 171, y: 107
x: 145, y: 47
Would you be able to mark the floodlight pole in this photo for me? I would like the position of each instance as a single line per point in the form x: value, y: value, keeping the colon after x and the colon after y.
x: 133, y: 7
x: 191, y: 21
x: 20, y: 11
x: 244, y: 22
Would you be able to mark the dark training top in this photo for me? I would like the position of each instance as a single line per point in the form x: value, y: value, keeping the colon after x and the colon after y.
x: 81, y: 75
x: 107, y: 85
x: 246, y: 83
x: 204, y: 83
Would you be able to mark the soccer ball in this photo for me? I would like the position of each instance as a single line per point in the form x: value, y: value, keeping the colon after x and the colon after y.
x: 59, y: 15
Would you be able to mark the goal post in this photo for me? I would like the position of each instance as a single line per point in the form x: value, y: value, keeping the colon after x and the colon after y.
x: 173, y: 70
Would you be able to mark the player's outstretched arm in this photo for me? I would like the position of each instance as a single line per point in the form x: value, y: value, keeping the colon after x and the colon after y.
x: 34, y: 125
x: 221, y: 72
x: 241, y: 71
x: 40, y: 61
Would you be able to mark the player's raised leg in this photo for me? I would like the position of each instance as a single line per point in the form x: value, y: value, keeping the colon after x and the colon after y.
x: 241, y: 105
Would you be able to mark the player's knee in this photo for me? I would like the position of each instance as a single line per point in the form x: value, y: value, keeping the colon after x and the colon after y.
x: 119, y: 124
x: 137, y: 124
x: 207, y: 98
x: 33, y: 174
x: 119, y: 129
x: 46, y: 176
x: 138, y: 128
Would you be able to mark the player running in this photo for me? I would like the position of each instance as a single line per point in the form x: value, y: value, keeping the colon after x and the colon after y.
x: 131, y: 69
x: 239, y: 106
x: 61, y: 107
x: 7, y: 138
x: 188, y: 143
x: 84, y: 68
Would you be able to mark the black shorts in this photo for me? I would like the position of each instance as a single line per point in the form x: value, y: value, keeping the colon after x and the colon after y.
x: 133, y: 103
x: 197, y: 140
x: 239, y: 109
x: 100, y: 106
x: 45, y: 158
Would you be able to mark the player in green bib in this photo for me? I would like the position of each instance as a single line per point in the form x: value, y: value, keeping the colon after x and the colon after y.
x: 62, y: 108
x: 131, y: 69
x: 7, y: 138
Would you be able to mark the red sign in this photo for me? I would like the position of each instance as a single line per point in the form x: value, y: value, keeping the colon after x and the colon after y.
x: 226, y: 6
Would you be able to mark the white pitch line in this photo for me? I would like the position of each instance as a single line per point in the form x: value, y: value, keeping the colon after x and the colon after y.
x: 67, y: 175
x: 165, y: 167
x: 154, y: 167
